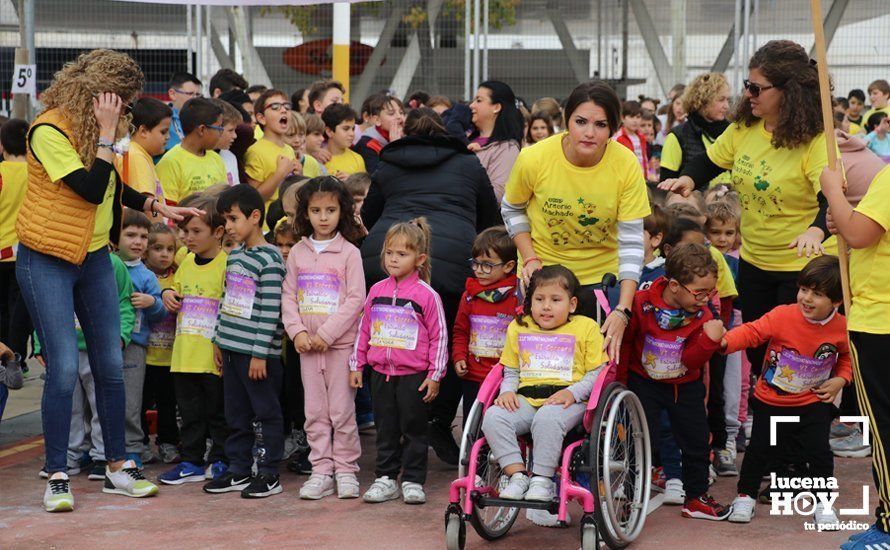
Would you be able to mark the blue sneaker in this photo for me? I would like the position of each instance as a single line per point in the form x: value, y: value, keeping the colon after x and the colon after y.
x: 137, y: 459
x: 867, y: 540
x: 184, y: 472
x: 216, y: 470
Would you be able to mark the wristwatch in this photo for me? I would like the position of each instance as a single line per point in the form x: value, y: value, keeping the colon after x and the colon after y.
x: 626, y: 311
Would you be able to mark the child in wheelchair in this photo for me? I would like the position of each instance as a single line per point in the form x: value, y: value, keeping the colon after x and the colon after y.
x: 671, y: 337
x: 550, y: 359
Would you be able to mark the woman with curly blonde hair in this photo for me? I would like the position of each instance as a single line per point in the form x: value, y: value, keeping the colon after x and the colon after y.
x: 71, y: 212
x: 706, y: 100
x: 775, y: 150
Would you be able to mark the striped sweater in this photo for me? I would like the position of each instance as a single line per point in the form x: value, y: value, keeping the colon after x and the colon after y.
x: 250, y: 313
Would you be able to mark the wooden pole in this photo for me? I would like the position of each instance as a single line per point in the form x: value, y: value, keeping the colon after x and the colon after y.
x: 830, y: 139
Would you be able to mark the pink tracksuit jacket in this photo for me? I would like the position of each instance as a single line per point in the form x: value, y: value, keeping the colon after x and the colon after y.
x: 334, y: 275
x: 402, y: 330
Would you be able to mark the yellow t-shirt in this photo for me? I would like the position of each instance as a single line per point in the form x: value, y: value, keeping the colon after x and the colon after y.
x: 725, y: 283
x: 261, y: 160
x: 14, y: 177
x: 201, y: 288
x: 59, y: 159
x: 180, y: 255
x: 311, y: 168
x: 141, y: 173
x: 777, y: 189
x: 573, y: 211
x: 558, y: 357
x: 348, y: 162
x: 159, y: 351
x: 183, y: 173
x: 870, y: 267
x: 672, y: 157
x: 871, y: 112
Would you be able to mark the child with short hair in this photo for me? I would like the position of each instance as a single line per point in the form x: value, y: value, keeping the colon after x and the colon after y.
x: 195, y: 297
x: 878, y: 126
x: 671, y: 336
x: 149, y: 309
x: 403, y: 339
x: 629, y: 134
x: 551, y: 358
x: 151, y: 119
x: 879, y: 97
x: 296, y: 138
x: 231, y: 118
x: 247, y: 344
x: 314, y: 142
x: 158, y: 387
x: 855, y: 108
x: 486, y: 308
x: 386, y: 123
x: 807, y: 364
x: 323, y: 296
x: 358, y: 185
x: 339, y: 122
x: 193, y: 165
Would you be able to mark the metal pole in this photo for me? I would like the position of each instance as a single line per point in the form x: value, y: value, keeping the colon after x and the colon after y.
x: 678, y: 39
x: 747, y: 35
x: 754, y: 25
x: 625, y: 21
x: 467, y: 16
x: 599, y: 38
x: 199, y: 49
x: 188, y: 38
x: 485, y: 41
x: 476, y: 24
x: 340, y: 58
x: 736, y: 68
x: 208, y: 50
x: 21, y: 103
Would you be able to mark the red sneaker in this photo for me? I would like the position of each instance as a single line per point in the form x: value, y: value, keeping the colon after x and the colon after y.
x: 705, y: 507
x: 658, y: 479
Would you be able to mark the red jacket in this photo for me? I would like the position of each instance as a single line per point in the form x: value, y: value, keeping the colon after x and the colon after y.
x: 623, y: 137
x: 686, y: 348
x: 489, y: 318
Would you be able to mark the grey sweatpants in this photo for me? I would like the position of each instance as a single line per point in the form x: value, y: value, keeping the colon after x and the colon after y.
x: 86, y: 432
x: 547, y: 424
x: 732, y: 394
x: 134, y: 379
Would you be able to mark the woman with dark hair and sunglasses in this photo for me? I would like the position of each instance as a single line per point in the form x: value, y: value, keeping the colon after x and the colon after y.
x: 498, y: 134
x: 775, y: 150
x: 578, y: 199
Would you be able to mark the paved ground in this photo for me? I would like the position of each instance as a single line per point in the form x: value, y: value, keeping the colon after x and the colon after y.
x: 184, y: 516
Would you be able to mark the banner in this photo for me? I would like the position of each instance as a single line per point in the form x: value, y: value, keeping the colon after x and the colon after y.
x: 244, y: 3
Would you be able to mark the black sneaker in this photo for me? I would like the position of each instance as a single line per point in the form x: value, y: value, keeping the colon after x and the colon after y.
x: 442, y: 441
x: 227, y: 483
x: 262, y: 486
x: 97, y: 472
x: 300, y: 464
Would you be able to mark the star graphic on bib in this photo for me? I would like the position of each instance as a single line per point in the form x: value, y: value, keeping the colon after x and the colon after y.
x: 376, y: 327
x: 649, y: 359
x: 786, y: 373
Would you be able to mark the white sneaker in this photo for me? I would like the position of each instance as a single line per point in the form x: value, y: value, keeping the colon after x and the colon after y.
x: 742, y: 509
x: 541, y: 489
x: 825, y: 518
x: 317, y: 486
x: 712, y: 475
x: 545, y: 518
x: 516, y: 487
x: 128, y: 481
x: 58, y: 496
x: 673, y: 492
x: 347, y: 485
x: 381, y: 490
x: 412, y: 493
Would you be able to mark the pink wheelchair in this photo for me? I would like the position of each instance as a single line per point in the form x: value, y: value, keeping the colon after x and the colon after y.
x: 604, y: 467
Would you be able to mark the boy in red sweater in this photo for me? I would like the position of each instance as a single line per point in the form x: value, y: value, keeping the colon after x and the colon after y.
x: 486, y: 309
x: 630, y: 135
x: 806, y: 365
x: 671, y: 336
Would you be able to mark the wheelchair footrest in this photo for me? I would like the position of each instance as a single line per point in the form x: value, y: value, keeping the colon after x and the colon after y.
x: 485, y: 501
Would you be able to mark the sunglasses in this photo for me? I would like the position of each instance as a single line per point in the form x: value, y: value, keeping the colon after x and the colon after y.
x: 277, y: 106
x: 755, y: 89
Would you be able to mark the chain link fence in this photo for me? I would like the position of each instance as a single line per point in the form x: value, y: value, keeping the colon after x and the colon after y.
x: 540, y: 47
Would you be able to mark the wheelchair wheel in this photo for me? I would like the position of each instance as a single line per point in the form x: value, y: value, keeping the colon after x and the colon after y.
x: 590, y: 539
x: 455, y: 532
x: 621, y: 458
x: 490, y: 523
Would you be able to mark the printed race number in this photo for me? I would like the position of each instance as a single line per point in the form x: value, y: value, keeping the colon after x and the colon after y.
x: 24, y: 79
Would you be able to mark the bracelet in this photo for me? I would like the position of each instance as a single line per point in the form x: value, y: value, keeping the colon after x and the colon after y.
x: 532, y: 259
x: 151, y: 208
x: 624, y: 314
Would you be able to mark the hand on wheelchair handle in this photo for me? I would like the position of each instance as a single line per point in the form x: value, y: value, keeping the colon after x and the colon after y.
x: 508, y: 400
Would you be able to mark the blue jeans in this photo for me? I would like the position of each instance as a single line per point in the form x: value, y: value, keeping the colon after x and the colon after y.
x: 54, y: 290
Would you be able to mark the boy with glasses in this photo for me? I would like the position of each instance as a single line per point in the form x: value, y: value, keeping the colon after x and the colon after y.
x: 193, y: 165
x: 182, y: 87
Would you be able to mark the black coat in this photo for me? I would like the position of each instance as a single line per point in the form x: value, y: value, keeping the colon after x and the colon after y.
x: 436, y: 177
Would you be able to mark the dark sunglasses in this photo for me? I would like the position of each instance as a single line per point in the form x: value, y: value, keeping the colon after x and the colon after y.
x: 755, y: 89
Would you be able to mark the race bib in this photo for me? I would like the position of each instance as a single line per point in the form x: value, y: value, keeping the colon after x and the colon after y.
x: 393, y: 327
x: 318, y: 293
x: 662, y: 359
x: 546, y: 356
x: 488, y: 334
x: 163, y: 333
x: 240, y: 293
x: 796, y: 374
x: 197, y: 317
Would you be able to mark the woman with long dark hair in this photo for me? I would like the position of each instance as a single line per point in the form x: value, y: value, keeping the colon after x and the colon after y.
x: 499, y: 129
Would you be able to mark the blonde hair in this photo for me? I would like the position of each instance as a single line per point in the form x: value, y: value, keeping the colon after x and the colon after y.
x: 722, y: 193
x: 229, y: 113
x: 78, y: 82
x: 417, y: 236
x: 702, y: 90
x: 550, y: 107
x: 290, y: 194
x: 295, y: 124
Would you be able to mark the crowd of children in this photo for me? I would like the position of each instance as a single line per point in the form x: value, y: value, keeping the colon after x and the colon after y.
x: 251, y: 334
